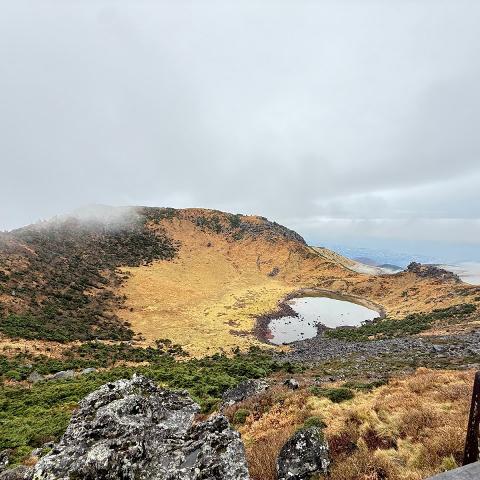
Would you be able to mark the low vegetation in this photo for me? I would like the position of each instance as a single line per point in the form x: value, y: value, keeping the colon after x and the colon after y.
x: 410, y: 325
x: 335, y: 395
x: 59, y: 278
x: 87, y: 355
x: 33, y: 415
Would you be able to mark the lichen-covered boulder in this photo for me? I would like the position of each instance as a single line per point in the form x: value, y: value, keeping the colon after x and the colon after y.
x: 243, y: 390
x: 19, y: 473
x: 304, y: 454
x: 131, y: 429
x: 63, y: 375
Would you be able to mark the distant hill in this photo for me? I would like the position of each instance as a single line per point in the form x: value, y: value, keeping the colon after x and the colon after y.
x: 366, y: 261
x: 389, y: 266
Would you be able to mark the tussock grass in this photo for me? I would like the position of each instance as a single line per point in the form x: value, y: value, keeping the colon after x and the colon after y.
x: 409, y: 429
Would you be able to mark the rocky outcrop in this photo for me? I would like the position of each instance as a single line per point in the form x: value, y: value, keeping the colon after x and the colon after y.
x: 304, y: 454
x: 20, y: 473
x: 432, y: 271
x: 243, y: 390
x: 131, y: 429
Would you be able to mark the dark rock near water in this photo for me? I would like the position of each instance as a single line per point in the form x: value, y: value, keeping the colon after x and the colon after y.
x: 304, y: 454
x: 321, y: 348
x: 242, y: 391
x: 131, y: 429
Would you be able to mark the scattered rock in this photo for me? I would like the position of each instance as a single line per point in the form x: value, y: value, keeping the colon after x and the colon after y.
x: 131, y: 429
x: 4, y: 459
x: 275, y: 271
x: 304, y: 454
x: 86, y: 371
x: 35, y: 377
x: 242, y: 391
x: 19, y: 473
x: 291, y: 383
x: 63, y: 375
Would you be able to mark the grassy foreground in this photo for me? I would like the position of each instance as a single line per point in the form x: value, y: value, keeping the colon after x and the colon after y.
x: 408, y: 429
x: 405, y: 429
x: 31, y: 415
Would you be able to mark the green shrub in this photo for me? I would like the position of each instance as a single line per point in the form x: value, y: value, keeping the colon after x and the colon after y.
x: 364, y: 387
x: 30, y: 416
x: 410, y: 325
x: 448, y: 463
x: 314, y: 422
x: 13, y: 375
x: 240, y: 416
x: 18, y: 455
x: 336, y: 395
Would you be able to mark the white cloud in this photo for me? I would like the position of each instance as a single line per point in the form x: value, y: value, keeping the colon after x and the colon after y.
x: 361, y: 112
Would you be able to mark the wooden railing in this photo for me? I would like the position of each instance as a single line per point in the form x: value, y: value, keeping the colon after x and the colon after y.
x: 471, y: 442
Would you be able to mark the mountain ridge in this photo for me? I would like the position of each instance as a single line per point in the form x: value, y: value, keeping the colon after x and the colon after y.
x: 198, y: 277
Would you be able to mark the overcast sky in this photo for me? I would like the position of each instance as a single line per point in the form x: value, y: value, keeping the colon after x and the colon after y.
x: 342, y: 119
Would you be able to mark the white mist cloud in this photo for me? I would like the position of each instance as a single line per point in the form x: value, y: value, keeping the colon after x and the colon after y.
x: 339, y: 118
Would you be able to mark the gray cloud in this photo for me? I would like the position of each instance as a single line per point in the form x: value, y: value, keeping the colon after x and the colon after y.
x: 340, y: 118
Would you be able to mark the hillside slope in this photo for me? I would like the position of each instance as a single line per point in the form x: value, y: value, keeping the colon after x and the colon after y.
x: 198, y: 277
x: 226, y: 275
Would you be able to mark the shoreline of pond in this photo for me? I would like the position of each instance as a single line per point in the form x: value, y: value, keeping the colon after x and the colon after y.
x: 262, y: 331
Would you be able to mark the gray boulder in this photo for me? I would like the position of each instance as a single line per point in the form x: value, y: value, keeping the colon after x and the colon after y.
x: 291, y: 383
x: 304, y: 454
x: 88, y: 370
x: 131, y: 429
x: 35, y: 377
x: 4, y: 459
x: 243, y: 390
x: 19, y: 473
x: 63, y: 375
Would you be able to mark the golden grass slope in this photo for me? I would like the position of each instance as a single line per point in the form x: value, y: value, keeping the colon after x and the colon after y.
x: 204, y: 299
x: 208, y: 297
x: 409, y: 429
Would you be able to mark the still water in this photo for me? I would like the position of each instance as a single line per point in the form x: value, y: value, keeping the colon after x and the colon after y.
x: 311, y: 311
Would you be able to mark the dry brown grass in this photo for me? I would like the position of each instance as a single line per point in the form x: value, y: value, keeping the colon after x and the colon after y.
x: 206, y: 299
x: 409, y: 429
x: 274, y: 417
x: 10, y: 347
